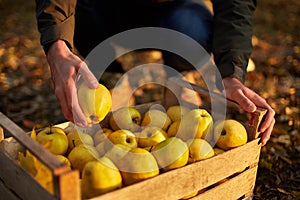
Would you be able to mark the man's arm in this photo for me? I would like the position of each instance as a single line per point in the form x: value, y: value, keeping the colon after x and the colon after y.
x: 232, y: 36
x: 56, y: 21
x: 232, y: 47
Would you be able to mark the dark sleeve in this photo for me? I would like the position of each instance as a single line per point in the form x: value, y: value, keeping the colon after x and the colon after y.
x: 232, y: 39
x: 55, y: 20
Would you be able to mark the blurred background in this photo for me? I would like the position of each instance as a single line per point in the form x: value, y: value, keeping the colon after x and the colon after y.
x: 26, y: 94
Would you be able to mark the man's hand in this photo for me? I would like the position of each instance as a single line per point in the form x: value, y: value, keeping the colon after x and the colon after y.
x: 248, y: 100
x: 65, y: 67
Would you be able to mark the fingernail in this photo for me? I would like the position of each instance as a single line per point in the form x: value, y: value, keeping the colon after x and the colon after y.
x: 262, y: 129
x: 251, y: 107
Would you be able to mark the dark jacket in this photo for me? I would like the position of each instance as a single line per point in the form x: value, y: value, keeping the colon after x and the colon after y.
x: 232, y: 30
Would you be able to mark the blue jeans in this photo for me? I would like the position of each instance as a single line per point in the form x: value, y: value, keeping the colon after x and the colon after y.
x: 98, y: 20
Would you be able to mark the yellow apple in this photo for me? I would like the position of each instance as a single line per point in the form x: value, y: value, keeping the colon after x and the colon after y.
x: 124, y: 137
x: 194, y: 124
x: 101, y: 135
x: 101, y: 147
x: 173, y: 128
x: 99, y: 177
x: 64, y: 160
x: 137, y: 165
x: 218, y: 150
x: 82, y: 154
x: 117, y: 152
x: 171, y: 153
x: 54, y: 139
x: 95, y: 103
x: 38, y: 170
x: 148, y: 148
x: 199, y: 149
x: 176, y: 112
x: 229, y: 134
x: 151, y: 136
x: 77, y: 137
x: 127, y: 118
x: 156, y: 118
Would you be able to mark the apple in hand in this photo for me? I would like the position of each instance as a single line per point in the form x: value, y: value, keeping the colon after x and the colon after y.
x: 127, y: 118
x: 54, y: 139
x: 95, y: 103
x: 151, y: 136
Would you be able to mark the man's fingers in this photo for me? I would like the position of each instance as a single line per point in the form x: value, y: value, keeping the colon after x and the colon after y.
x: 79, y: 118
x: 269, y: 118
x: 65, y: 107
x: 243, y: 101
x: 261, y: 102
x: 267, y: 133
x: 90, y: 80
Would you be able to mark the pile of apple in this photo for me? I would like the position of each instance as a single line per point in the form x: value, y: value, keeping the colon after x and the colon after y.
x: 135, y: 147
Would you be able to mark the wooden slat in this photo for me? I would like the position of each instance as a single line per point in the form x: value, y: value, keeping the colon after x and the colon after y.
x: 203, y: 91
x: 22, y: 182
x: 6, y: 193
x: 177, y: 183
x: 233, y: 188
x: 1, y: 133
x: 11, y: 147
x: 57, y: 168
x: 69, y: 185
x: 36, y: 149
x: 253, y: 125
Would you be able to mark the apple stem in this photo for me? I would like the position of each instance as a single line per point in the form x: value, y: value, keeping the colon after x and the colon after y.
x: 151, y: 148
x: 128, y: 140
x: 50, y: 130
x: 135, y: 120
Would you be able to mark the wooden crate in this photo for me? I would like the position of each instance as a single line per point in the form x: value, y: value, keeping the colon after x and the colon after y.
x: 238, y: 166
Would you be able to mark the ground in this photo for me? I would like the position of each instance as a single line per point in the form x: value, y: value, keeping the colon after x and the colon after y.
x: 27, y: 97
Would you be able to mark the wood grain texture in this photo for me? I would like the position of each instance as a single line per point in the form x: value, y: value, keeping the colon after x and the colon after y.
x: 69, y: 183
x: 233, y: 188
x: 170, y: 185
x: 21, y: 181
x: 36, y: 149
x: 7, y: 193
x: 180, y: 182
x: 1, y: 134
